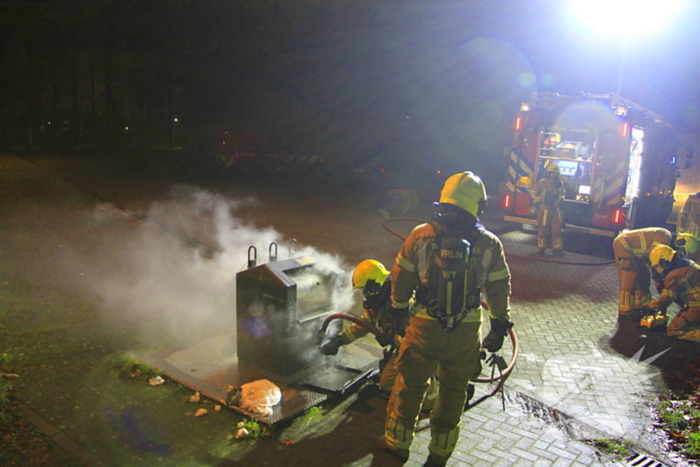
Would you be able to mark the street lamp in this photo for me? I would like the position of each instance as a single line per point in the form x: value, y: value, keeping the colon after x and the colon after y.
x: 174, y: 123
x: 624, y: 19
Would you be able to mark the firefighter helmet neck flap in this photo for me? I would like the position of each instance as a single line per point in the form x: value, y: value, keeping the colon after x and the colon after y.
x: 370, y: 276
x: 465, y: 190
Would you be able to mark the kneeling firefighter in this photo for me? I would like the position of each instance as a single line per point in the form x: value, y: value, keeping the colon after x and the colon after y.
x: 631, y: 249
x: 681, y: 278
x: 446, y: 263
x: 374, y: 281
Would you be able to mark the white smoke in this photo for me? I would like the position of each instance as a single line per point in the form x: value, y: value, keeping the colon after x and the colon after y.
x: 175, y: 275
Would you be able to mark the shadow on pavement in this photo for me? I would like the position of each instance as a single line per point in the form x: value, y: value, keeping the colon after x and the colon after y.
x: 674, y: 356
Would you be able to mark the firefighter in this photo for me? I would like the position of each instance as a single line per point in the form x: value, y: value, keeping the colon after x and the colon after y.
x: 631, y: 249
x: 446, y: 263
x: 681, y: 280
x: 374, y: 281
x: 549, y: 193
x: 688, y: 244
x: 689, y: 217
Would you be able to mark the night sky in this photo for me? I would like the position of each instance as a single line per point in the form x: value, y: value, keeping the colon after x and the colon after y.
x: 390, y: 80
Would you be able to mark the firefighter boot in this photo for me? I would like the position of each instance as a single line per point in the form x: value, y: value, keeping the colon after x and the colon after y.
x: 397, y: 439
x: 441, y: 446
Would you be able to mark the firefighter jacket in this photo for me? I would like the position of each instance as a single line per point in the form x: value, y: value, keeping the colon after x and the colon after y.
x: 689, y: 217
x: 631, y: 250
x: 375, y: 317
x: 683, y: 283
x: 637, y: 244
x: 549, y: 192
x: 417, y: 258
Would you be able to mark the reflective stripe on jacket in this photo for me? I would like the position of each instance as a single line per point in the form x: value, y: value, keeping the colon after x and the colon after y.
x: 639, y: 242
x: 416, y: 258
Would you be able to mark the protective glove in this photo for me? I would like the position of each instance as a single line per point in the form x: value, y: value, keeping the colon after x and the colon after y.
x: 494, y: 339
x: 331, y: 347
x: 643, y: 310
x: 398, y: 320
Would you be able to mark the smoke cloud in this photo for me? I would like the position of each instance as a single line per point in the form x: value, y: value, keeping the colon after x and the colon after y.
x: 176, y: 275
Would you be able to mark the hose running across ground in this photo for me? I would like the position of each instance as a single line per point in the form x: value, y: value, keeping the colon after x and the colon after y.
x: 510, y: 255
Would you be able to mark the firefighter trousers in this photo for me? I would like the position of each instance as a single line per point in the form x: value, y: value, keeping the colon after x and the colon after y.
x: 685, y: 326
x: 387, y: 378
x: 456, y: 358
x: 550, y: 223
x: 634, y: 276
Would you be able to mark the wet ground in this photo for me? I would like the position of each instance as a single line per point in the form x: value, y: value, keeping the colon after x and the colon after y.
x: 106, y: 257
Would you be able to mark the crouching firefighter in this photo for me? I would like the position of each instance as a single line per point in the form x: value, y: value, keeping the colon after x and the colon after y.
x: 374, y: 281
x: 681, y: 278
x: 631, y: 249
x: 446, y: 263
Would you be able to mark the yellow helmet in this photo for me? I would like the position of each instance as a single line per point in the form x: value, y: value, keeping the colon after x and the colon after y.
x: 553, y: 167
x: 368, y: 272
x: 661, y: 256
x: 466, y: 191
x: 686, y: 243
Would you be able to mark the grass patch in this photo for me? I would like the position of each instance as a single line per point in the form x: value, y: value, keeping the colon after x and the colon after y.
x: 619, y: 449
x: 255, y: 429
x: 678, y: 413
x: 680, y: 418
x: 6, y: 358
x: 132, y: 368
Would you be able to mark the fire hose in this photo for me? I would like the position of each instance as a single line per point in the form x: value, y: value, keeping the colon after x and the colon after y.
x: 510, y: 255
x: 501, y: 377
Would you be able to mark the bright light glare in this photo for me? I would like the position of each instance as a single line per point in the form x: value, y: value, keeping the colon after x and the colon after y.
x: 625, y: 17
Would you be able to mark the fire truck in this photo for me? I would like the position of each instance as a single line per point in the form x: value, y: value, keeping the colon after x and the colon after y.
x: 618, y: 161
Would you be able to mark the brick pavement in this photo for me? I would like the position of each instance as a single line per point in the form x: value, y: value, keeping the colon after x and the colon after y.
x: 578, y: 375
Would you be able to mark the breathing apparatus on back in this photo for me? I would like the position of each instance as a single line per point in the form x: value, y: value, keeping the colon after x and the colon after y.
x: 451, y: 292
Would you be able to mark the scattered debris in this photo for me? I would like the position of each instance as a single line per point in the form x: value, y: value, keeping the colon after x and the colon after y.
x: 10, y: 376
x: 201, y: 412
x: 250, y: 429
x: 195, y: 398
x: 157, y: 381
x: 217, y: 407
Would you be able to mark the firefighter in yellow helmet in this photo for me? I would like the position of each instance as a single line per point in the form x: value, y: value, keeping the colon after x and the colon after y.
x: 372, y: 278
x: 549, y: 193
x: 681, y: 278
x: 374, y: 281
x: 688, y: 244
x: 689, y: 217
x: 446, y: 263
x: 631, y: 249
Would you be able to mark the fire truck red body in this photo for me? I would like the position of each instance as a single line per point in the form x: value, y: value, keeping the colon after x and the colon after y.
x: 617, y: 160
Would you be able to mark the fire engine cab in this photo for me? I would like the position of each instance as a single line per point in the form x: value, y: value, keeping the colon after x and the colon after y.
x: 617, y: 160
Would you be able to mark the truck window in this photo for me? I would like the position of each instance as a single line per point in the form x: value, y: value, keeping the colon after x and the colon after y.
x: 573, y: 150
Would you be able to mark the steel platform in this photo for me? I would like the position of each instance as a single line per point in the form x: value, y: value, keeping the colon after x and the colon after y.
x: 211, y: 368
